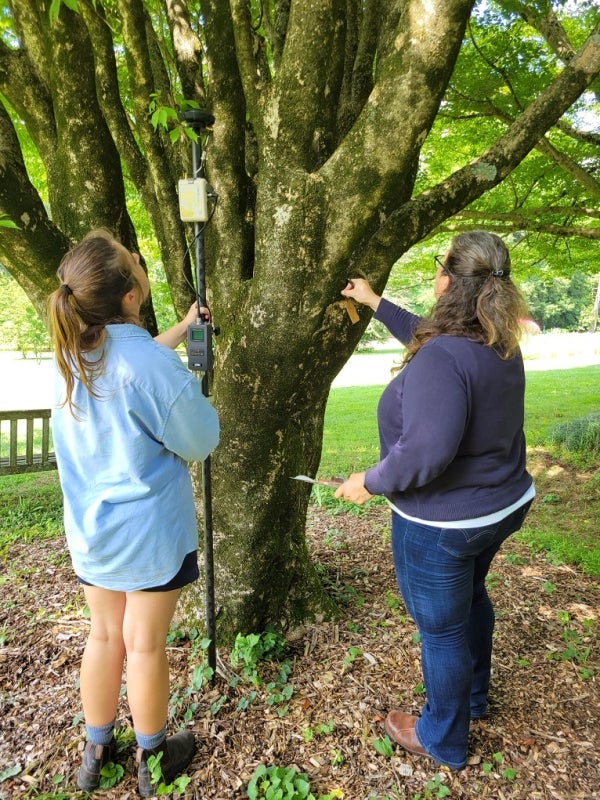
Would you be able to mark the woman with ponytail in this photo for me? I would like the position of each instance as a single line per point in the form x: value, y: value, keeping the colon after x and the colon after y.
x: 452, y: 466
x: 127, y: 418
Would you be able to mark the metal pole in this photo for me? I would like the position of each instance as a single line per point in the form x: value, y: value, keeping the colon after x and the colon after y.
x: 199, y: 120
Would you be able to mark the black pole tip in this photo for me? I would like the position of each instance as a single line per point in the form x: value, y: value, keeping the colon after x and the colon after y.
x: 197, y: 118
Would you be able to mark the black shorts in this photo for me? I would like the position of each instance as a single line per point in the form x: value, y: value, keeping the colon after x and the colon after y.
x: 188, y: 573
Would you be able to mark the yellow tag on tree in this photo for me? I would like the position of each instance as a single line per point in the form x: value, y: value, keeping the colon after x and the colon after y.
x: 351, y: 309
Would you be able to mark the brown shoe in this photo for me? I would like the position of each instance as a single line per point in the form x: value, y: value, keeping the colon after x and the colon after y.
x: 400, y: 727
x: 95, y: 756
x: 176, y: 752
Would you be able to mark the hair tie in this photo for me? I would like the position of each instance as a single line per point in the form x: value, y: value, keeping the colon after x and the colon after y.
x: 498, y: 273
x: 67, y: 288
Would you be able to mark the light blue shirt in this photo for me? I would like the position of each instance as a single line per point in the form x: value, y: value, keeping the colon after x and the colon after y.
x: 129, y: 508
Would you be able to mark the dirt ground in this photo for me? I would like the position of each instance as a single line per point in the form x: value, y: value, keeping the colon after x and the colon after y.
x: 541, y: 740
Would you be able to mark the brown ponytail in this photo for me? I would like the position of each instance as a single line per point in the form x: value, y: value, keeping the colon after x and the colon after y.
x: 95, y: 275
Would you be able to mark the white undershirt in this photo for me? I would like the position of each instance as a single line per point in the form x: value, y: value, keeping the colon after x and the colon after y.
x: 476, y: 522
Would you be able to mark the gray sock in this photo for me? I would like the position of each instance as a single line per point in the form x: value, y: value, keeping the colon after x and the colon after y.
x: 100, y: 734
x: 152, y: 741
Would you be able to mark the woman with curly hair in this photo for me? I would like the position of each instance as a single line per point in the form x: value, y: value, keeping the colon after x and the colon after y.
x: 452, y: 466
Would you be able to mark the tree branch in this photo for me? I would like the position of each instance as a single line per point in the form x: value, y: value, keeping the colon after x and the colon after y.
x: 188, y: 50
x: 418, y: 217
x: 241, y: 29
x: 161, y: 172
x: 233, y: 159
x: 310, y: 68
x: 24, y: 81
x: 384, y: 144
x: 32, y: 252
x: 551, y: 29
x: 456, y: 224
x: 108, y: 92
x: 362, y: 36
x: 570, y: 166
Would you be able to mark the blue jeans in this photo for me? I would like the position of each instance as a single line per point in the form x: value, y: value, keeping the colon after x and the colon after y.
x: 441, y: 574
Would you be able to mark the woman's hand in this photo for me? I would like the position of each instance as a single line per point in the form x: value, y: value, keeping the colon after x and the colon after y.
x: 192, y: 315
x: 353, y: 489
x: 360, y: 290
x: 178, y: 333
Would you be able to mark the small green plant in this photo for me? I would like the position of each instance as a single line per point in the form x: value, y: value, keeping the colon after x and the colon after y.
x: 350, y: 657
x: 182, y: 701
x: 218, y: 704
x: 419, y: 688
x: 322, y: 729
x: 576, y: 649
x: 335, y: 539
x: 279, y: 783
x: 508, y: 773
x: 156, y: 776
x: 284, y: 783
x: 124, y: 738
x: 514, y: 558
x: 436, y: 787
x: 279, y: 696
x: 110, y: 775
x: 433, y: 788
x: 250, y: 649
x: 384, y: 746
x: 247, y: 700
x: 325, y: 727
x: 492, y: 579
x: 551, y: 498
x: 176, y: 635
x: 10, y: 772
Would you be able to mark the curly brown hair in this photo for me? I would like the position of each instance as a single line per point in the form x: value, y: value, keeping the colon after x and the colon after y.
x: 481, y: 302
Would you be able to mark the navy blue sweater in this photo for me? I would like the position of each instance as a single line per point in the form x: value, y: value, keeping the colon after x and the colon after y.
x: 450, y: 428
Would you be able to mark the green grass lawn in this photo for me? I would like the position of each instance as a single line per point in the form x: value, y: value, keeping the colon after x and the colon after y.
x: 559, y: 396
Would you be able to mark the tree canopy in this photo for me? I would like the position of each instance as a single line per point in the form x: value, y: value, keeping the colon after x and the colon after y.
x: 345, y: 133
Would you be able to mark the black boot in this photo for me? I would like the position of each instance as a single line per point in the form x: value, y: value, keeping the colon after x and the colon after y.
x: 177, y: 750
x: 95, y: 756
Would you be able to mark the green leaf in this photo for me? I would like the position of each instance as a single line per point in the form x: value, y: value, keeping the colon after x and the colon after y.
x: 384, y: 746
x: 55, y: 5
x: 110, y: 775
x: 10, y: 772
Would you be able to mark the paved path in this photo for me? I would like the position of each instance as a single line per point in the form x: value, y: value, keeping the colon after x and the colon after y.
x: 26, y: 382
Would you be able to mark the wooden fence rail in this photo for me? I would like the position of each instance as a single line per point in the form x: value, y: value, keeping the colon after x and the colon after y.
x: 25, y: 441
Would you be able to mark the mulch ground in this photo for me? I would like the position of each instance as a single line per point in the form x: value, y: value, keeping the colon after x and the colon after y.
x: 541, y: 740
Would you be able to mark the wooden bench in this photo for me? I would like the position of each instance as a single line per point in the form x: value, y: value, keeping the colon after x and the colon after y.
x: 25, y: 441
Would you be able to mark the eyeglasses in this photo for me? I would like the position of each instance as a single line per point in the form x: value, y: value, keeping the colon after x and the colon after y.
x: 440, y: 262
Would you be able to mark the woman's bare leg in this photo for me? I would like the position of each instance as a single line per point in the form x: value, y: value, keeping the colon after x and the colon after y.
x: 146, y: 623
x: 102, y: 663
